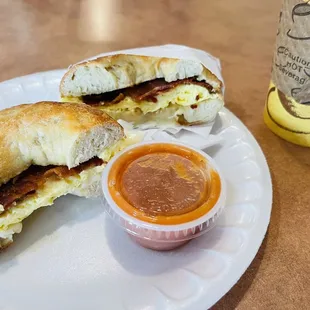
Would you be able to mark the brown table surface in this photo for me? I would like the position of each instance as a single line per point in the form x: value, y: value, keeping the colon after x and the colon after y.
x: 38, y: 35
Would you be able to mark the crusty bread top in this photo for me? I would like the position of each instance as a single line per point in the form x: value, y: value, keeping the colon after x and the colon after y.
x: 51, y: 133
x: 119, y: 71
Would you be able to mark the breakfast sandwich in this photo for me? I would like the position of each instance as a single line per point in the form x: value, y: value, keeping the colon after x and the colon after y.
x: 140, y: 89
x: 47, y: 150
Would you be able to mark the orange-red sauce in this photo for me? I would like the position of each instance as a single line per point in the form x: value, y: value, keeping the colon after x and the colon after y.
x: 164, y: 184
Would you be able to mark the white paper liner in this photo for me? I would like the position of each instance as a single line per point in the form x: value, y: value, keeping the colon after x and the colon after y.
x: 197, y: 136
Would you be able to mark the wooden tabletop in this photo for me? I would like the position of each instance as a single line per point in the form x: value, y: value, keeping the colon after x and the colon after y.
x: 39, y: 35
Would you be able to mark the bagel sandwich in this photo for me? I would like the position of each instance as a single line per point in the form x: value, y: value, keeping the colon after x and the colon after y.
x: 142, y: 89
x: 48, y: 150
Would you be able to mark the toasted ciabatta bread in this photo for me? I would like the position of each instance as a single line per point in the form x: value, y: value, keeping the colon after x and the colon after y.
x: 113, y: 83
x: 39, y: 143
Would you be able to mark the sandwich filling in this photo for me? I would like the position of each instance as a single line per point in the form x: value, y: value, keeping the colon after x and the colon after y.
x: 38, y: 187
x: 182, y: 101
x: 29, y: 181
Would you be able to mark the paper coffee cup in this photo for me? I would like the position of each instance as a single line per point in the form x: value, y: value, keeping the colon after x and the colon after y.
x: 287, y: 110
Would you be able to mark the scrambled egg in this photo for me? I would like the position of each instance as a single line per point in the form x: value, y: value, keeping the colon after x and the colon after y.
x: 176, y: 100
x: 10, y: 221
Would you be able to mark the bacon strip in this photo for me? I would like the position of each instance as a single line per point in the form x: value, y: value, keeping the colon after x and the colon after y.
x: 34, y: 177
x: 145, y: 91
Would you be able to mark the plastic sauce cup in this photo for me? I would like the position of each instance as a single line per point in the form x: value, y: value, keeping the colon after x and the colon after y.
x: 154, y: 235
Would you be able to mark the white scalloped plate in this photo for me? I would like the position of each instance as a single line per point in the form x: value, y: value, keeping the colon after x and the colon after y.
x: 71, y: 256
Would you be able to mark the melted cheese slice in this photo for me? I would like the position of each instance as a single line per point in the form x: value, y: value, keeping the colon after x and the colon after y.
x: 10, y: 221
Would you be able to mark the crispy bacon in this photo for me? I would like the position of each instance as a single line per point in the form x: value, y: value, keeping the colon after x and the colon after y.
x: 145, y: 91
x: 34, y: 177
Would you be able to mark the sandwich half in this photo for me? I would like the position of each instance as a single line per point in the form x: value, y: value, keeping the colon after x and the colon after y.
x: 48, y: 150
x: 143, y: 89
